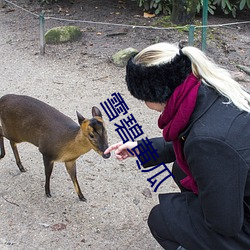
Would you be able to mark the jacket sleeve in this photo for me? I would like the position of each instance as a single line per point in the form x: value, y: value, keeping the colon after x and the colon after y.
x: 220, y: 173
x: 164, y: 150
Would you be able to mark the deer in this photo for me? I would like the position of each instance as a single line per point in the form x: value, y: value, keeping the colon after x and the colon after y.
x: 58, y: 138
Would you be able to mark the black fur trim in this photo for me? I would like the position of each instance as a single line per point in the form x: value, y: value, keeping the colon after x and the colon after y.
x: 156, y: 83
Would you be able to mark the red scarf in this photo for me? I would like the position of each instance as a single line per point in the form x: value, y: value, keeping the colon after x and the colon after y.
x: 174, y: 119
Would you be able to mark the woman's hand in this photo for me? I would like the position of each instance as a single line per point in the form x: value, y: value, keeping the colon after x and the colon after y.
x: 121, y: 152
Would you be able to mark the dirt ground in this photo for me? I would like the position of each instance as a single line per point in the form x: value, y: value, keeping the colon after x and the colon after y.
x: 77, y: 76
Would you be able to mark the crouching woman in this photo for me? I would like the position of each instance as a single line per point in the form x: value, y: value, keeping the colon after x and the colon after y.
x: 205, y: 121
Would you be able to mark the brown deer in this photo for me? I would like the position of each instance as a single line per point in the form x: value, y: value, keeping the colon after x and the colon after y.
x: 59, y: 138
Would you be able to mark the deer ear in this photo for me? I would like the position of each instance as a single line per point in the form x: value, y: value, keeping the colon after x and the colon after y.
x: 80, y: 118
x: 96, y: 112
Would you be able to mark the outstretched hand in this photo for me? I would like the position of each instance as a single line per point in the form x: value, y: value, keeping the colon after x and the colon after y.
x: 121, y: 152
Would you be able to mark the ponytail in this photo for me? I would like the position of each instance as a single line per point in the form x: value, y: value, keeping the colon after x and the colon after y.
x: 218, y: 78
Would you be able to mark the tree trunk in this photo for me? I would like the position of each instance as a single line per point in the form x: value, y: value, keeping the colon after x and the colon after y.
x: 183, y: 11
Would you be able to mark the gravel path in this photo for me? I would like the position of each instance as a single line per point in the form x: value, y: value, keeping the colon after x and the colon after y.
x: 118, y: 196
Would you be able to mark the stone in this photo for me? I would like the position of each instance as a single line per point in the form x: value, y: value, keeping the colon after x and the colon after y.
x: 2, y: 3
x: 63, y: 34
x: 121, y: 58
x: 147, y: 193
x: 239, y: 76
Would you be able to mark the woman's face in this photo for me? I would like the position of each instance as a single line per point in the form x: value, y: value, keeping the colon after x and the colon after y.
x: 156, y: 106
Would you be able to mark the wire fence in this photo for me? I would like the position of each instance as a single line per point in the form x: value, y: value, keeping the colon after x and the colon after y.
x: 191, y: 28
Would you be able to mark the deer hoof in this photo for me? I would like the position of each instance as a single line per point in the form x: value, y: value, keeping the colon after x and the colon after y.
x: 48, y: 195
x: 82, y: 198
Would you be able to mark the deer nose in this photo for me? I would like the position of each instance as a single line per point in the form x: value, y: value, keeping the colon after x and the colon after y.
x: 106, y: 156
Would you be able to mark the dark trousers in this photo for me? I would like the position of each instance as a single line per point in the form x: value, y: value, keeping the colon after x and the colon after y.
x: 156, y: 221
x: 179, y: 221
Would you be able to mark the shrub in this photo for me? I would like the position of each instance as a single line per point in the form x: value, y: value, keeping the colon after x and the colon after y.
x: 165, y: 6
x: 156, y: 6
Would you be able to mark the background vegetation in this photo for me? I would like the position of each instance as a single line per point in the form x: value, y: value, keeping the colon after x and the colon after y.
x: 226, y: 6
x: 165, y: 6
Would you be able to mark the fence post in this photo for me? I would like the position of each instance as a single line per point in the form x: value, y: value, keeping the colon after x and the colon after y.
x: 42, y: 31
x: 204, y: 24
x: 191, y: 35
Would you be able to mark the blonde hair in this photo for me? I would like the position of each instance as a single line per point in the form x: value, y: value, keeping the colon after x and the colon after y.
x: 202, y: 67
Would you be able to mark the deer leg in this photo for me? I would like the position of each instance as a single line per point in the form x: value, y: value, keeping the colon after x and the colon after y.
x: 18, y: 161
x: 1, y: 144
x: 71, y: 168
x: 2, y: 147
x: 48, y: 165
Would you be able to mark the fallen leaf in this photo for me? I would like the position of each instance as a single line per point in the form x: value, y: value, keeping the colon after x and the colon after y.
x: 147, y: 193
x: 58, y: 227
x: 147, y: 15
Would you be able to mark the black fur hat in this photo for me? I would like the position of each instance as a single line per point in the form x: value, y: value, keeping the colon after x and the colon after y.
x: 156, y: 83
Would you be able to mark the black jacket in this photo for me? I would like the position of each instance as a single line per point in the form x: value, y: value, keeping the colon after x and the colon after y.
x: 216, y: 145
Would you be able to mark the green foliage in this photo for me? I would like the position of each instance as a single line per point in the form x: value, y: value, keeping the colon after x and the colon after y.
x: 211, y: 7
x: 165, y: 6
x: 244, y: 4
x: 226, y: 6
x: 231, y: 6
x: 157, y: 6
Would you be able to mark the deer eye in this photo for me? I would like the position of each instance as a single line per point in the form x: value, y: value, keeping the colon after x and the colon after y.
x: 91, y: 136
